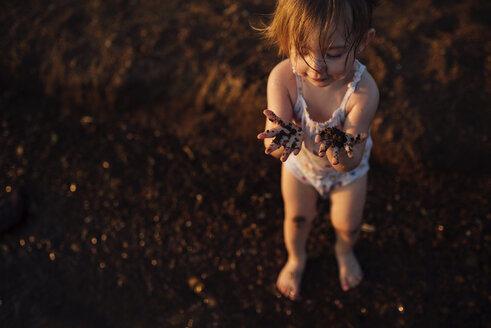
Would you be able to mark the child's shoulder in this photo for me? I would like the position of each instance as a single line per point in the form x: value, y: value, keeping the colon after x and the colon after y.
x: 282, y: 77
x: 283, y: 68
x: 366, y: 96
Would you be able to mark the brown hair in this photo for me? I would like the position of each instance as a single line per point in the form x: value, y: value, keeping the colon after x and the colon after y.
x: 294, y: 21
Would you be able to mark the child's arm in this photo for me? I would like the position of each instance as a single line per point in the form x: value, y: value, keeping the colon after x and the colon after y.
x: 362, y: 106
x: 280, y: 114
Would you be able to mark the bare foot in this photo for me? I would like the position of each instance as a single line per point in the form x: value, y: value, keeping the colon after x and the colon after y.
x: 350, y: 274
x: 289, y: 279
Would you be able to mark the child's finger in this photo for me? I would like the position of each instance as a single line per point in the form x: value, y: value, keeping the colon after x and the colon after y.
x: 335, y: 155
x: 289, y: 147
x: 285, y: 154
x: 269, y: 133
x: 322, y: 149
x: 297, y: 145
x: 273, y: 117
x: 272, y: 147
x: 349, y: 150
x: 291, y: 142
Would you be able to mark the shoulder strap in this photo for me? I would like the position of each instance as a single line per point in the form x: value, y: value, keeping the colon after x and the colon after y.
x: 353, y: 84
x: 298, y: 78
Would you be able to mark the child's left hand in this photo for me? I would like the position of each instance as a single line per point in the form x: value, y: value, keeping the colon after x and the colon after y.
x: 337, y: 139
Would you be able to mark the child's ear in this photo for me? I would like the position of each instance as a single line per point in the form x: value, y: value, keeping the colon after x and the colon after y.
x: 368, y: 38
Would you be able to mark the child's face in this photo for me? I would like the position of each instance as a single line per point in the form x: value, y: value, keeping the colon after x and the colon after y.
x: 322, y: 69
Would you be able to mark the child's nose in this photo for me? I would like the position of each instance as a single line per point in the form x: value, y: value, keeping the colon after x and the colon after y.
x: 318, y: 64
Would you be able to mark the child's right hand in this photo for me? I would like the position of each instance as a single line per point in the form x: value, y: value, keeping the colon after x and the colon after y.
x: 286, y: 134
x: 338, y: 139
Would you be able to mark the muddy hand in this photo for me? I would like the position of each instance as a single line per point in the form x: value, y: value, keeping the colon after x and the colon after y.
x: 337, y: 139
x: 285, y: 134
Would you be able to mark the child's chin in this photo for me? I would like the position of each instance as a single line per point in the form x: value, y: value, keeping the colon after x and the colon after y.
x: 323, y: 83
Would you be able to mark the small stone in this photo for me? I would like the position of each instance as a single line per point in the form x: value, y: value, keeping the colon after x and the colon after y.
x: 196, y: 284
x: 367, y: 228
x: 75, y: 248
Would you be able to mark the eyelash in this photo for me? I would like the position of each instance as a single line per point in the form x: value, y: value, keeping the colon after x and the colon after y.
x: 332, y: 57
x: 305, y: 52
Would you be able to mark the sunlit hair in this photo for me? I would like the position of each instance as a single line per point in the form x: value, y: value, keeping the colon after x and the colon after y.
x: 295, y: 21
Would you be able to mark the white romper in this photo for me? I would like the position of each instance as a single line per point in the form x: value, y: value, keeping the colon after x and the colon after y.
x: 307, y: 166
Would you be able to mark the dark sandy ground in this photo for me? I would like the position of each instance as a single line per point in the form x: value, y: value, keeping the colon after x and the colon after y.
x: 131, y: 127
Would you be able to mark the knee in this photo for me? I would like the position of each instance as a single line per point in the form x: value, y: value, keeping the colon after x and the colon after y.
x: 301, y: 220
x: 347, y: 229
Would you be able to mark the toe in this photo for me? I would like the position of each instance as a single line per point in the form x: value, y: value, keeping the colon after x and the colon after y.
x: 344, y: 284
x: 293, y: 294
x: 287, y: 291
x: 280, y: 288
x: 284, y: 291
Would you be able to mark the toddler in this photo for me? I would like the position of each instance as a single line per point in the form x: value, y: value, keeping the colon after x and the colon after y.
x: 321, y: 101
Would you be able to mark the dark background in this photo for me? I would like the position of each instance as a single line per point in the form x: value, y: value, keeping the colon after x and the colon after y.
x: 131, y: 127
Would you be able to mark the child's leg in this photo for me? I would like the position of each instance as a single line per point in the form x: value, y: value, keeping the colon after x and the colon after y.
x: 300, y: 203
x: 347, y: 205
